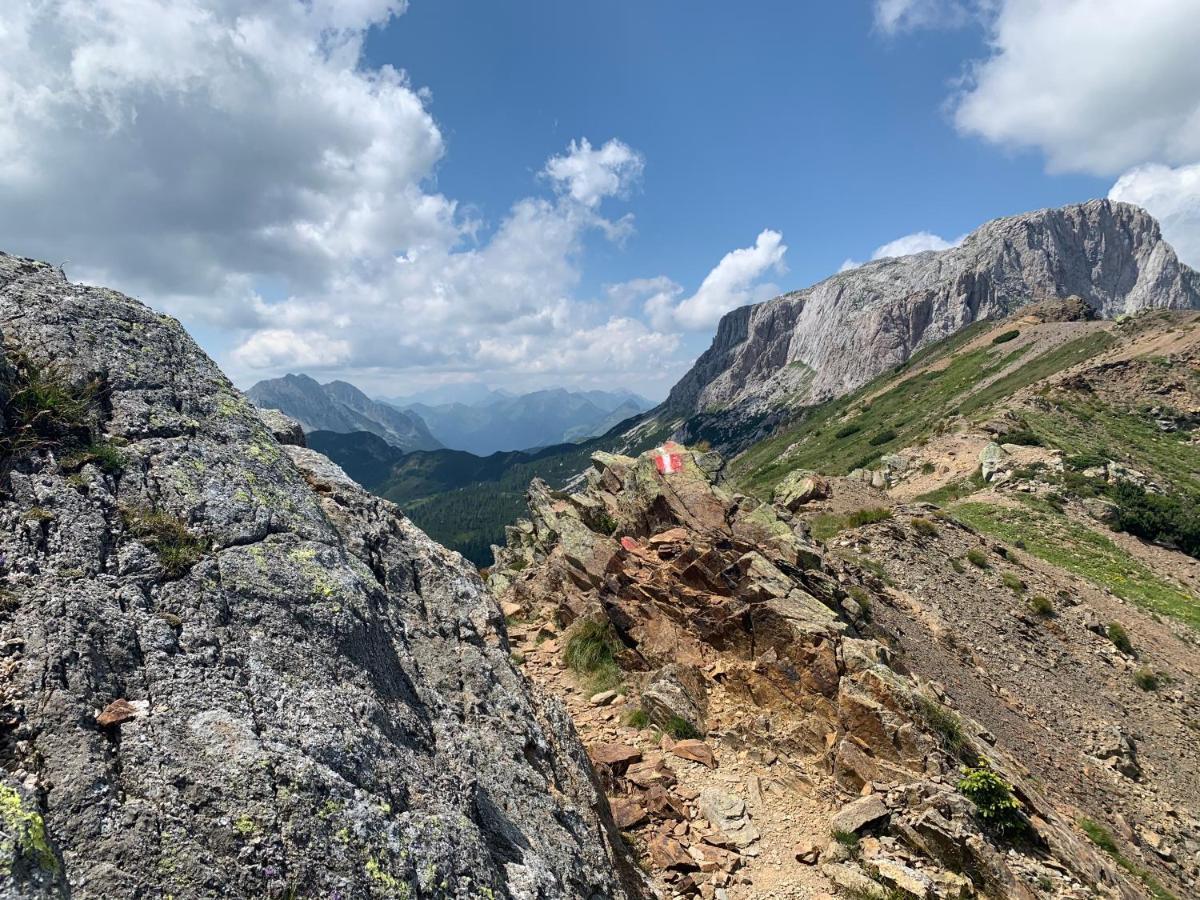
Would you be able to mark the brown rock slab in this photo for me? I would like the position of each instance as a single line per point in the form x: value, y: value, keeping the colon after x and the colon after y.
x: 668, y: 853
x: 859, y: 814
x: 696, y: 751
x: 616, y: 756
x: 627, y: 813
x: 121, y: 710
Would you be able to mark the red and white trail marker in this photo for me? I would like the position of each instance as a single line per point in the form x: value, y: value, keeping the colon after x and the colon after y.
x: 668, y: 462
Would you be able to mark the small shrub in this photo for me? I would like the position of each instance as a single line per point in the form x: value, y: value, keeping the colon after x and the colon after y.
x: 637, y: 718
x: 1120, y: 637
x: 1022, y: 436
x: 928, y: 468
x: 862, y: 597
x: 956, y: 565
x: 882, y: 437
x: 994, y: 801
x: 1146, y: 680
x: 924, y: 527
x: 1081, y: 461
x: 681, y: 729
x: 846, y: 430
x: 1041, y: 606
x: 603, y: 523
x: 1012, y: 582
x: 1005, y: 336
x: 177, y: 548
x: 978, y: 558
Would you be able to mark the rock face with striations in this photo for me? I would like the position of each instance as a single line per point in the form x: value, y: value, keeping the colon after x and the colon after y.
x: 227, y: 671
x: 831, y: 338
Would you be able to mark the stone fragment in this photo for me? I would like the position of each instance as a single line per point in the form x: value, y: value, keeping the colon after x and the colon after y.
x: 603, y: 698
x: 800, y: 488
x: 616, y: 756
x: 861, y: 813
x: 727, y: 813
x: 807, y: 852
x: 122, y: 711
x: 696, y: 751
x: 668, y: 853
x: 627, y: 813
x: 902, y: 877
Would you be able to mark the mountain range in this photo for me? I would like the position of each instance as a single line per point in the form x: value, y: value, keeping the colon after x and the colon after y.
x: 339, y: 406
x: 503, y: 422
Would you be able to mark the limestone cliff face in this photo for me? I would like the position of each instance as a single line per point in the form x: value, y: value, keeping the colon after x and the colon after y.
x: 226, y: 670
x: 828, y: 339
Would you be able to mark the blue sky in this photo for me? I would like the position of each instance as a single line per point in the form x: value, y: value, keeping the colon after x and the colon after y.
x: 405, y: 193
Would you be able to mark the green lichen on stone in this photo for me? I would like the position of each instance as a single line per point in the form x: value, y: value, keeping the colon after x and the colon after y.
x: 24, y: 834
x: 387, y: 883
x: 245, y: 826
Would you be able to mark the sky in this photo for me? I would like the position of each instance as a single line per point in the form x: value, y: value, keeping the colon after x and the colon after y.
x: 536, y: 193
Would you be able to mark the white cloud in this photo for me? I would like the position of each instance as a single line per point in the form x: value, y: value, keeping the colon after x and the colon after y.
x: 918, y: 242
x: 235, y: 162
x: 1097, y: 85
x: 735, y: 281
x: 1171, y: 195
x: 591, y: 175
x: 894, y: 16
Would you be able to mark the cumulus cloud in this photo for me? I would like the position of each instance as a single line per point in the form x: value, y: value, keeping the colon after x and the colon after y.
x: 917, y: 242
x: 589, y: 175
x: 234, y: 162
x: 894, y: 16
x: 1097, y: 85
x: 735, y: 281
x: 1172, y: 194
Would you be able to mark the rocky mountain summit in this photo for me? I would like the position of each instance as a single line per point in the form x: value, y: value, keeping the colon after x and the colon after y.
x: 227, y: 671
x: 342, y: 408
x: 823, y: 341
x: 882, y: 713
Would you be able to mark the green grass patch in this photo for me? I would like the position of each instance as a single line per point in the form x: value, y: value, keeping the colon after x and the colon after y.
x: 1013, y: 582
x: 1054, y: 538
x: 1120, y: 638
x: 681, y: 729
x: 637, y: 718
x: 1005, y: 336
x: 168, y: 536
x: 1042, y: 607
x: 591, y: 652
x: 826, y: 525
x: 1102, y: 838
x: 924, y: 527
x: 1147, y: 679
x: 944, y: 723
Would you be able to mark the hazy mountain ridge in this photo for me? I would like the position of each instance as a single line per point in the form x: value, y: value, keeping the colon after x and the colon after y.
x: 341, y: 407
x: 501, y: 422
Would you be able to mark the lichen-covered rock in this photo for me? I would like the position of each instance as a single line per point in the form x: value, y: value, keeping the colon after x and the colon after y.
x: 299, y: 694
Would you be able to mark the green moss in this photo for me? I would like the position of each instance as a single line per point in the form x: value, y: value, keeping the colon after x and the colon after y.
x: 387, y: 883
x: 25, y: 833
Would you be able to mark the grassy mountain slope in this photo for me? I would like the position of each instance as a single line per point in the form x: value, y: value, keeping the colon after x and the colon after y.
x: 1098, y: 421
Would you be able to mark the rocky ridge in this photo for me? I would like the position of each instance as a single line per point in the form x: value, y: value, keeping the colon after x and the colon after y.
x: 228, y: 671
x: 808, y: 753
x: 823, y: 341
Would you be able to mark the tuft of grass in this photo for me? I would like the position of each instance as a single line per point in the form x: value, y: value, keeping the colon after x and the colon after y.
x: 943, y: 722
x: 1012, y: 582
x: 978, y: 558
x: 168, y: 536
x: 1120, y: 638
x: 848, y: 839
x: 924, y: 527
x: 1147, y: 679
x: 591, y: 652
x: 45, y: 409
x: 637, y: 718
x: 1103, y: 839
x: 1041, y: 606
x: 957, y: 566
x: 105, y: 456
x: 681, y: 729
